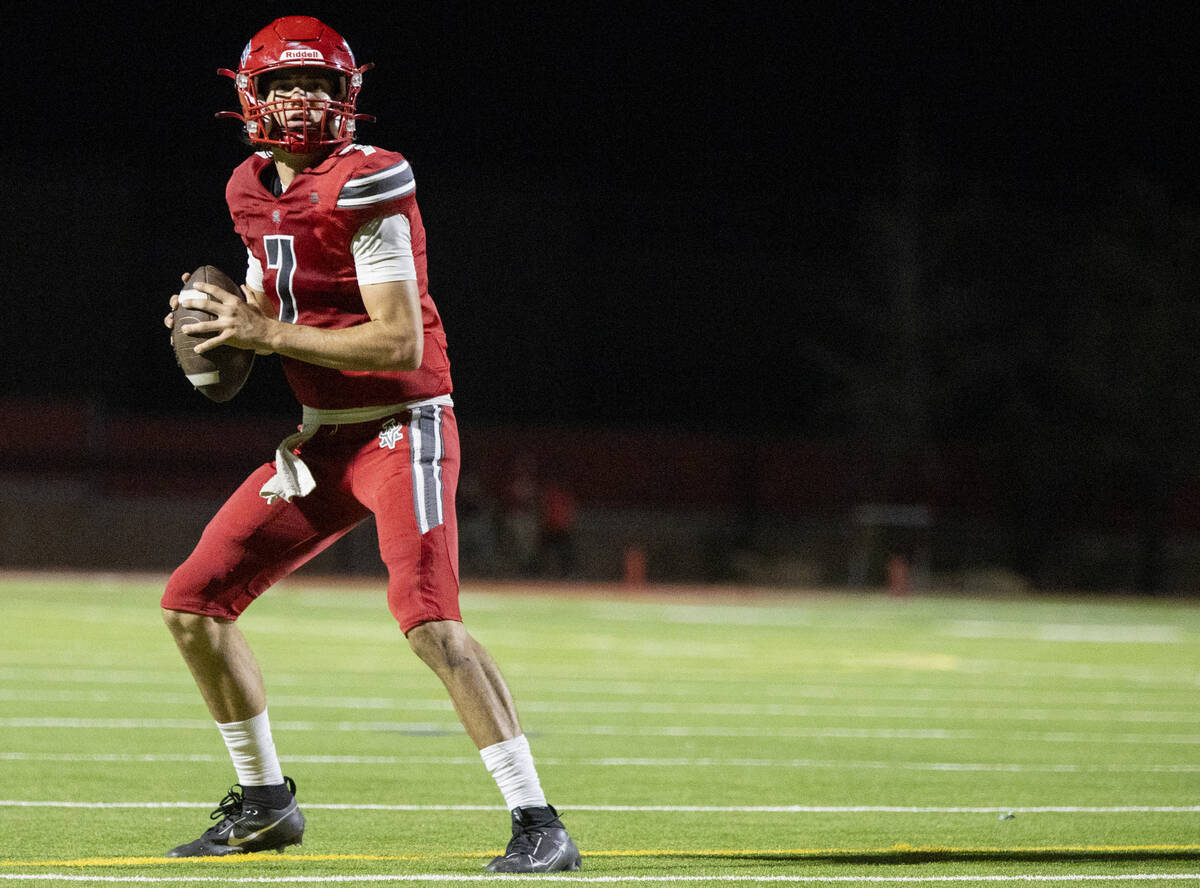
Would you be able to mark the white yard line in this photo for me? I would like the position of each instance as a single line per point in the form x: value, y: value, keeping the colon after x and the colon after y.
x: 670, y: 809
x: 25, y: 678
x: 441, y: 728
x: 619, y: 762
x: 829, y: 677
x: 1102, y: 633
x: 577, y: 878
x: 104, y: 673
x: 601, y: 707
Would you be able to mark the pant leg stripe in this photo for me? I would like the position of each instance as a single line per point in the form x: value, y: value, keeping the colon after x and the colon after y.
x: 431, y: 450
x: 415, y: 441
x: 439, y: 499
x: 428, y: 450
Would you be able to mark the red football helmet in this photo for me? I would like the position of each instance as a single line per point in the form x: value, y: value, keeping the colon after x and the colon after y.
x: 297, y: 41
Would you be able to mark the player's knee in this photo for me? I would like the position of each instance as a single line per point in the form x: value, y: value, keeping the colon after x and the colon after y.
x: 196, y: 588
x: 184, y: 625
x: 444, y: 644
x: 180, y: 590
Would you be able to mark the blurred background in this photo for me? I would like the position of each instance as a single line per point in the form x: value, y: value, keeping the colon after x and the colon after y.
x: 799, y: 295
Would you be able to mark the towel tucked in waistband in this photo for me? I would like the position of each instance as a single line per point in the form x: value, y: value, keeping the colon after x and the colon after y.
x: 292, y: 477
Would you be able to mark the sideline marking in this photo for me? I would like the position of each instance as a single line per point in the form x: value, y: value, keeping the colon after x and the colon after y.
x: 895, y: 850
x: 673, y: 809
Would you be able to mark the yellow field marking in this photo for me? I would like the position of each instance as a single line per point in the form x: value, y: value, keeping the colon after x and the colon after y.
x: 645, y: 852
x: 900, y: 850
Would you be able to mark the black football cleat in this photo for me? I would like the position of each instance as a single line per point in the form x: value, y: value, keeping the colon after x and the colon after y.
x: 247, y: 826
x: 539, y: 844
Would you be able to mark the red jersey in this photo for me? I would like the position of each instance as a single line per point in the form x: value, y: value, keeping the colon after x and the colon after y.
x: 302, y: 239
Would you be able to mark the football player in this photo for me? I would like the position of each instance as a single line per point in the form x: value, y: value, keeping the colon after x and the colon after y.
x: 336, y: 285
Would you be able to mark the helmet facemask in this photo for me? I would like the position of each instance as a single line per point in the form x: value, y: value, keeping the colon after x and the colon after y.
x: 273, y: 120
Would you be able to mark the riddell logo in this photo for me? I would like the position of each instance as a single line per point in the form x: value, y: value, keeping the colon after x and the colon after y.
x: 301, y: 55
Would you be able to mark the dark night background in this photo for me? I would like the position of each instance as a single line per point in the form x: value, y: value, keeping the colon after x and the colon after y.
x: 921, y: 230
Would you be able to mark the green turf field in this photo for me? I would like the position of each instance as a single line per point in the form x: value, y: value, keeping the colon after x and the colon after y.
x: 804, y: 739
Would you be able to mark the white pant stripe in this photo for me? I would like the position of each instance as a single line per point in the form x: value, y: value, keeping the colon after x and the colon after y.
x: 440, y: 447
x: 428, y: 449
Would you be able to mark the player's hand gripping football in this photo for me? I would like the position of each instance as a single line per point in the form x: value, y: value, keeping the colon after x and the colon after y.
x: 169, y: 320
x: 239, y: 322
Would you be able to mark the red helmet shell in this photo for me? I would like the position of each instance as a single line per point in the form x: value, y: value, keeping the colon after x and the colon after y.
x: 298, y: 41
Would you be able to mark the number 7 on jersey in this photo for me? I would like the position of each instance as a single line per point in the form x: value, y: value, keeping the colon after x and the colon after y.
x: 281, y: 256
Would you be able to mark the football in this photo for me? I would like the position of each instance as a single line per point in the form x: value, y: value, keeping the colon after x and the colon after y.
x: 219, y: 374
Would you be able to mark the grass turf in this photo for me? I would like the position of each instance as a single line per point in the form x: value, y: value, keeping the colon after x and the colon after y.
x: 782, y: 737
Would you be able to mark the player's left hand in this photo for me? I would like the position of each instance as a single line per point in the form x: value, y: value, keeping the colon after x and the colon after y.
x: 169, y: 320
x: 238, y: 322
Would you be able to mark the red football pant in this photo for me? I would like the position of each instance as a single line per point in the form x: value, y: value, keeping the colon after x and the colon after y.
x: 404, y: 470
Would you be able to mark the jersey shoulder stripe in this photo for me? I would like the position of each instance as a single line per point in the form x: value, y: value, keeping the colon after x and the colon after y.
x: 386, y: 184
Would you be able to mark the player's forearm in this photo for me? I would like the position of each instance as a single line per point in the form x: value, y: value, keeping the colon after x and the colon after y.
x: 374, y: 345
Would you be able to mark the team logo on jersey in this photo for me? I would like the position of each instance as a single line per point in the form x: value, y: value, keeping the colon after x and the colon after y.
x: 391, y: 434
x: 313, y: 197
x: 275, y: 216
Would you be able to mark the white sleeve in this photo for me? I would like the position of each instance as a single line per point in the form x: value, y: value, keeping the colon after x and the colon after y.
x: 254, y: 272
x: 382, y: 251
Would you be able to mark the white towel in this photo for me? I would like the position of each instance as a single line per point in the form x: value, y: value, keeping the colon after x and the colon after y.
x: 292, y: 477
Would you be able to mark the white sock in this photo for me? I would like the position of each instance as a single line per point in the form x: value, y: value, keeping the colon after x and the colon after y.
x: 511, y: 765
x: 252, y: 750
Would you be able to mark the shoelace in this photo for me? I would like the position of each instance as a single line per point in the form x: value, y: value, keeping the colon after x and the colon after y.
x: 232, y: 804
x: 229, y: 806
x: 524, y: 842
